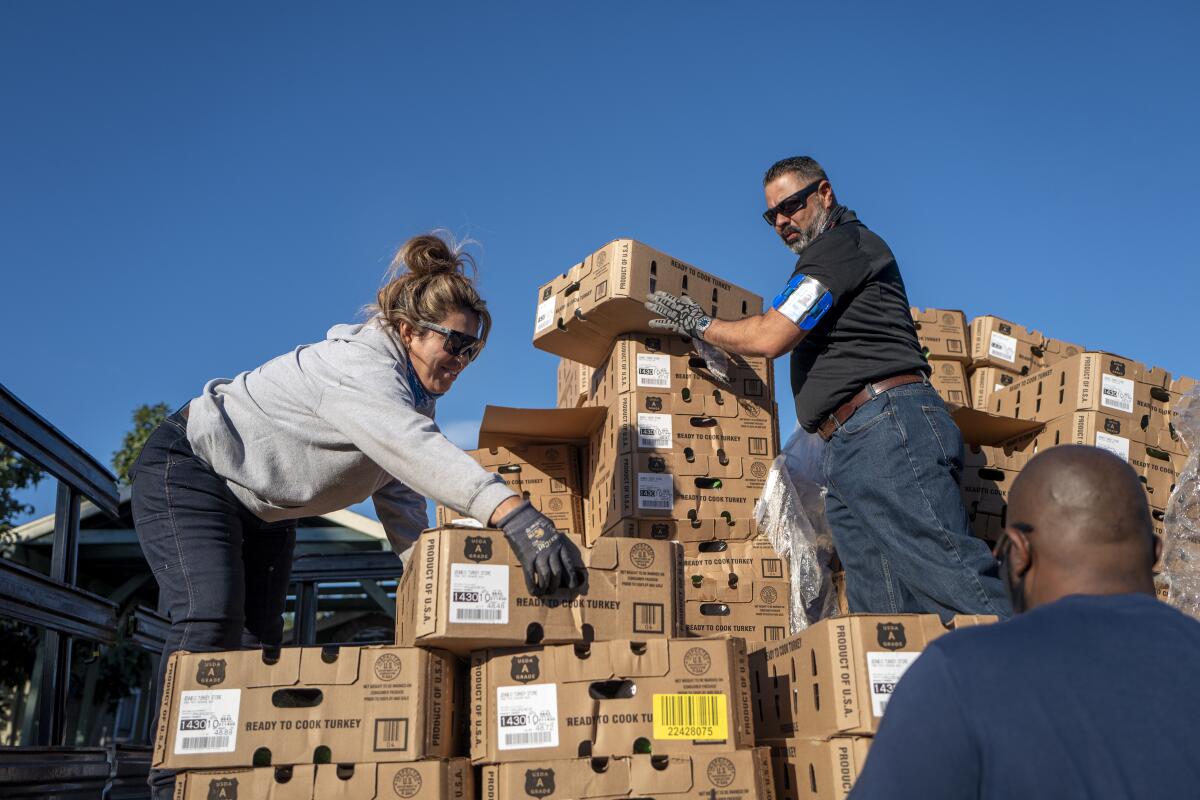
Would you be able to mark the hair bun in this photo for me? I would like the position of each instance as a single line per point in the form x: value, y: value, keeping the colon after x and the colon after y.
x: 428, y: 255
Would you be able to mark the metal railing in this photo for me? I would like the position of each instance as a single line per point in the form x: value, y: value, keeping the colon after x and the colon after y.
x: 66, y: 612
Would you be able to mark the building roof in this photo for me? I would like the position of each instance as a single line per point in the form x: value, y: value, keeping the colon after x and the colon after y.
x: 44, y: 526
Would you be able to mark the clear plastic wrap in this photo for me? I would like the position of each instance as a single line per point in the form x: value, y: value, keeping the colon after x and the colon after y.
x: 1181, y: 527
x: 791, y: 513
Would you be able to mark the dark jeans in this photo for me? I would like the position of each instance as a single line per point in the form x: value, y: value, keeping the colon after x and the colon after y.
x: 222, y: 572
x: 897, y: 518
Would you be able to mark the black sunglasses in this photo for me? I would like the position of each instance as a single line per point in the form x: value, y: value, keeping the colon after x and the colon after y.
x: 457, y: 343
x: 790, y: 204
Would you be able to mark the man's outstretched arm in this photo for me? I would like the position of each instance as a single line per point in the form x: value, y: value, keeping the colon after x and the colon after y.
x: 793, y: 313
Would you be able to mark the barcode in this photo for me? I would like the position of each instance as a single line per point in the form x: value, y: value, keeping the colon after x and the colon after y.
x: 391, y: 734
x: 204, y: 743
x: 688, y: 709
x: 648, y: 617
x: 477, y: 614
x: 648, y: 502
x: 528, y: 739
x: 773, y: 633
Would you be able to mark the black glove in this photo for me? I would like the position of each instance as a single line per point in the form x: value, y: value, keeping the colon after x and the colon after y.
x: 550, y: 560
x: 683, y: 315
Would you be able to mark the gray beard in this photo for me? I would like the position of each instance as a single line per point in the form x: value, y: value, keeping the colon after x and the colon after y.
x: 807, y: 234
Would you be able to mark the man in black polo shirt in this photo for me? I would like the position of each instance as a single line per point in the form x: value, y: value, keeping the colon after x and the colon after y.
x: 893, y: 455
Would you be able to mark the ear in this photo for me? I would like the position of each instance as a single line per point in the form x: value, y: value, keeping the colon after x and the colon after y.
x: 1020, y: 557
x: 407, y: 333
x: 825, y: 192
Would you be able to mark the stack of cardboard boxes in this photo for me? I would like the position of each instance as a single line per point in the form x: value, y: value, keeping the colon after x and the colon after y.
x: 1076, y: 396
x: 819, y: 695
x: 310, y: 723
x: 654, y: 465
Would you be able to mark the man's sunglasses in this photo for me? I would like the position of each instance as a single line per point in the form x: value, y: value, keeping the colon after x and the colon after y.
x: 456, y: 343
x: 790, y: 204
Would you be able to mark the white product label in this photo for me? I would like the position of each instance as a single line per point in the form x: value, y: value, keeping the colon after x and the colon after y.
x: 479, y: 593
x: 653, y: 371
x: 656, y: 492
x: 545, y: 315
x: 999, y: 386
x: 208, y: 722
x: 527, y: 716
x: 1117, y: 445
x: 1003, y: 347
x: 1116, y: 393
x: 654, y: 430
x: 884, y: 671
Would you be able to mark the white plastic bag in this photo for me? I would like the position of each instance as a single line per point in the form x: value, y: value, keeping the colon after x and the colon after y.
x: 791, y: 513
x: 1181, y: 526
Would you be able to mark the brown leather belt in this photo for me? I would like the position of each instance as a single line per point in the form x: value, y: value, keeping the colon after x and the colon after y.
x: 846, y: 410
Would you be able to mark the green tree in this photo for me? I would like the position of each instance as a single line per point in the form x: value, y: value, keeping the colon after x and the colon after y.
x: 16, y: 474
x: 18, y: 642
x: 145, y: 420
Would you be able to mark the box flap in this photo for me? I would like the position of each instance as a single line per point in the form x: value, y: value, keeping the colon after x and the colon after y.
x: 634, y: 659
x: 655, y: 775
x: 982, y: 428
x: 329, y: 666
x: 602, y: 555
x: 503, y: 426
x: 348, y: 781
x: 578, y: 663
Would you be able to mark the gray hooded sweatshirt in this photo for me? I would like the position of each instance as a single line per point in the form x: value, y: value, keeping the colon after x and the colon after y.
x: 331, y: 424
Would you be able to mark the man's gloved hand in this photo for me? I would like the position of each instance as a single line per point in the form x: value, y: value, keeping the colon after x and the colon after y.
x: 550, y: 560
x: 682, y: 315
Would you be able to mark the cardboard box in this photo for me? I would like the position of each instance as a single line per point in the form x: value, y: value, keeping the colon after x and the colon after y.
x: 997, y: 342
x: 654, y: 422
x: 728, y: 570
x: 741, y: 774
x: 615, y: 698
x: 942, y: 334
x: 1116, y: 433
x: 269, y: 783
x: 356, y: 704
x: 663, y: 364
x: 574, y: 379
x: 582, y: 311
x: 450, y: 779
x: 759, y: 615
x: 811, y: 769
x: 950, y: 380
x: 836, y: 677
x: 650, y: 486
x: 548, y: 475
x: 465, y: 590
x: 698, y: 530
x: 736, y: 588
x: 987, y: 380
x: 1090, y: 381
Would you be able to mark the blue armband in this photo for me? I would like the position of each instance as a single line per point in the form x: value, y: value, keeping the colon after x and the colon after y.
x: 804, y: 301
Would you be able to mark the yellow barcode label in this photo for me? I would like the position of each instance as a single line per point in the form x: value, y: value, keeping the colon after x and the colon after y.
x: 691, y: 716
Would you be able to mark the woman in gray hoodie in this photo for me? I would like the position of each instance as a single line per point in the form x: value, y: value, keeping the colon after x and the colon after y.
x: 219, y: 485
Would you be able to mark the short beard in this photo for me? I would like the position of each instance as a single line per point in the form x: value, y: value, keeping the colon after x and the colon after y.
x: 806, y: 234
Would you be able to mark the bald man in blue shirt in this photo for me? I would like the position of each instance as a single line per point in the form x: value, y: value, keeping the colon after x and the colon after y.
x: 1092, y: 692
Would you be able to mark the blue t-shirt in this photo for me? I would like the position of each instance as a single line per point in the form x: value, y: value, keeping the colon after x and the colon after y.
x: 1090, y: 696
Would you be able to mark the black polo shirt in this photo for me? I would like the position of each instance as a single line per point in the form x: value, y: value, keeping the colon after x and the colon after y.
x: 866, y: 335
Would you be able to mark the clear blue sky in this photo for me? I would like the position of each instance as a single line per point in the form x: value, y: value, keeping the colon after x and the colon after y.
x: 191, y: 189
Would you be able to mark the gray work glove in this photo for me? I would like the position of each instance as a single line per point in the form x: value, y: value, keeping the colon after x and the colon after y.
x: 683, y: 315
x: 550, y: 560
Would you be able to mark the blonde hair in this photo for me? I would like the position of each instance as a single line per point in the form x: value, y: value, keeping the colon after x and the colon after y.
x: 426, y: 282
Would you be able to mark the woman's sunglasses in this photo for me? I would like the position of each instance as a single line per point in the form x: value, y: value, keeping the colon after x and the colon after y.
x: 790, y: 204
x: 456, y: 343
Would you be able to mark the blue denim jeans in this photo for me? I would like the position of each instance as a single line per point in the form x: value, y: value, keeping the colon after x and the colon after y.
x: 222, y: 572
x: 897, y: 518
